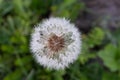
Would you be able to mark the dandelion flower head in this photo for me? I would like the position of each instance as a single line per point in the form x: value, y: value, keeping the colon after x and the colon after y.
x: 55, y: 43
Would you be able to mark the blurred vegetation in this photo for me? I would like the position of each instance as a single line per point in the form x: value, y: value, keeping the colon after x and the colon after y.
x: 99, y: 59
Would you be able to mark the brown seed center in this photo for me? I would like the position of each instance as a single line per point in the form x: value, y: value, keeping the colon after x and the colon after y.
x: 55, y: 43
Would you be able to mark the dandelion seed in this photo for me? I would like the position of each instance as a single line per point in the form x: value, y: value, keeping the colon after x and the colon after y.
x: 55, y: 43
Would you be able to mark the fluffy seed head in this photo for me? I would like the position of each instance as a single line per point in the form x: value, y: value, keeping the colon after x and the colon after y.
x: 55, y: 43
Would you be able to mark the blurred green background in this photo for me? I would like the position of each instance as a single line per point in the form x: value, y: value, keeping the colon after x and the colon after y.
x: 100, y: 55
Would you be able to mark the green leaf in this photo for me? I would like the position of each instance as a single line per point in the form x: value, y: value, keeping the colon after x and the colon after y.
x: 95, y: 37
x: 108, y: 55
x: 110, y: 76
x: 23, y: 61
x: 15, y: 75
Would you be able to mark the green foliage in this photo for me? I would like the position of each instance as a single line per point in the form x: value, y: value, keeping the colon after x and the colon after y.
x: 99, y: 59
x: 93, y: 39
x: 110, y: 76
x: 68, y: 9
x: 111, y: 55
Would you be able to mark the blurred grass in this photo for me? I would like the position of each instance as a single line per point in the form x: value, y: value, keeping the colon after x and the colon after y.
x: 99, y: 60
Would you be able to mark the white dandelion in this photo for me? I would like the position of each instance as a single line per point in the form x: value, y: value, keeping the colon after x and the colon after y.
x: 55, y: 43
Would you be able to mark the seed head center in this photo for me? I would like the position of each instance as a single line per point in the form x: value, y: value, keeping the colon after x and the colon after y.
x: 55, y: 43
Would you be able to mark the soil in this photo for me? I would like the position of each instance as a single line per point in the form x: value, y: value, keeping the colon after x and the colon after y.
x: 104, y: 13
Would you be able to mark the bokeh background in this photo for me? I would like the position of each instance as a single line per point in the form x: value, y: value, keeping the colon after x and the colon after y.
x: 98, y: 21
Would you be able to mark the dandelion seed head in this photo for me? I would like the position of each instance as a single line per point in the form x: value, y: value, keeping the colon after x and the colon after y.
x: 55, y: 43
